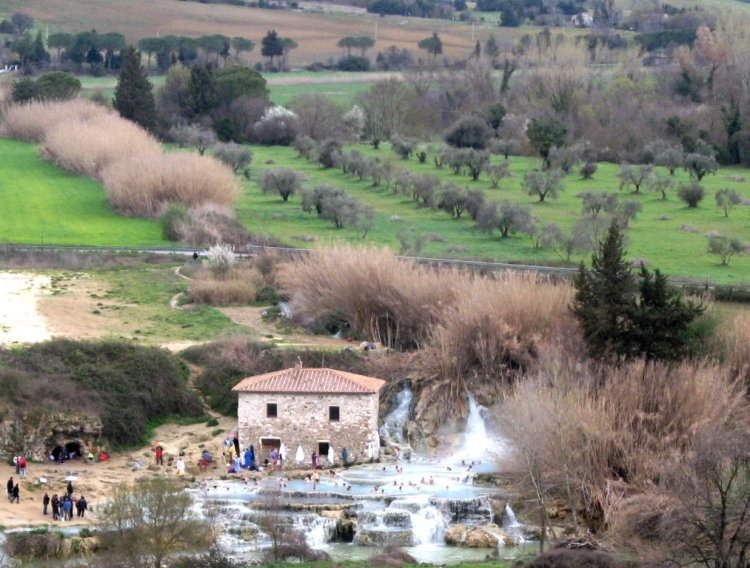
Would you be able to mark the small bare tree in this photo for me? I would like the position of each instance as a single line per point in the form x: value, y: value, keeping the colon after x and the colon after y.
x: 143, y: 524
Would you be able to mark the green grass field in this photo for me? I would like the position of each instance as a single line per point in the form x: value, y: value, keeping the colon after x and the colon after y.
x: 42, y: 203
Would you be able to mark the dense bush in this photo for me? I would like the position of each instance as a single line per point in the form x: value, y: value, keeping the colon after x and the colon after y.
x: 126, y: 385
x: 691, y: 193
x: 207, y: 225
x: 469, y: 132
x: 143, y: 185
x: 354, y: 63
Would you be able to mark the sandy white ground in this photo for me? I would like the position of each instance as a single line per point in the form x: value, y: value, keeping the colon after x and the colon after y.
x: 20, y: 319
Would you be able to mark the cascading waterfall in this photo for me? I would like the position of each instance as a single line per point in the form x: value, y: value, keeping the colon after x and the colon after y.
x: 405, y: 522
x: 393, y: 429
x: 511, y: 524
x: 317, y: 530
x: 477, y: 444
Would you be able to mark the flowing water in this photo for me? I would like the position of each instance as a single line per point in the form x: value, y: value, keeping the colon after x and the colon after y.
x: 407, y: 502
x: 393, y: 429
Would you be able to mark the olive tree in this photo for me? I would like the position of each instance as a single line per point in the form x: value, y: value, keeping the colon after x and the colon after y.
x: 726, y: 199
x: 660, y: 184
x: 724, y: 247
x: 193, y: 135
x: 233, y: 155
x: 284, y: 181
x: 507, y: 217
x: 635, y: 175
x: 594, y: 202
x: 543, y: 184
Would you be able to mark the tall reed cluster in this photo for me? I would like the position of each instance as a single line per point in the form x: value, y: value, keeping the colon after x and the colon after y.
x: 466, y: 325
x: 139, y: 178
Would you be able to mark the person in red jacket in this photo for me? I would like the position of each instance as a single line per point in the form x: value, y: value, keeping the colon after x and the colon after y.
x: 159, y: 455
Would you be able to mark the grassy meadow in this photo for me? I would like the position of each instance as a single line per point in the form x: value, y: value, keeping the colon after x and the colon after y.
x: 44, y: 204
x: 677, y: 245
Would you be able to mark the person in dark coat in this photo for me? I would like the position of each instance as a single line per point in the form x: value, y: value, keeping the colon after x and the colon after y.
x: 70, y: 488
x: 45, y: 503
x: 55, y: 507
x: 16, y: 494
x: 9, y: 486
x: 236, y: 442
x: 81, y: 506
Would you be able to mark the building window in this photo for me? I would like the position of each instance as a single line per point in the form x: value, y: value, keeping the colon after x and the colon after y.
x: 271, y: 410
x: 333, y: 413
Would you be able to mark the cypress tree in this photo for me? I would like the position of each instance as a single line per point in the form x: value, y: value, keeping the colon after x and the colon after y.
x: 605, y: 297
x: 202, y: 95
x: 134, y: 97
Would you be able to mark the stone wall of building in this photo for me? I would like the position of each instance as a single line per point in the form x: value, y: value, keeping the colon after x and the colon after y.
x: 303, y: 420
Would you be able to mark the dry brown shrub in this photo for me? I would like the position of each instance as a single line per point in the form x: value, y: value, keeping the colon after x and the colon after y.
x: 499, y: 323
x: 238, y: 286
x: 142, y: 185
x: 87, y: 147
x: 596, y: 437
x: 208, y: 224
x: 31, y: 121
x: 381, y: 297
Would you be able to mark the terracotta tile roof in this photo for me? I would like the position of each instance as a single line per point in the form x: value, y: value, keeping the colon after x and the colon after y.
x: 305, y: 380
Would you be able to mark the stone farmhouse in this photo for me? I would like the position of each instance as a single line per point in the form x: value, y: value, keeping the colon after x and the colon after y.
x: 315, y: 409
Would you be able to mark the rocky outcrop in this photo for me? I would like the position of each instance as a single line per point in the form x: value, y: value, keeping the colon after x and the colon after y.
x: 380, y: 537
x: 482, y: 536
x: 36, y: 433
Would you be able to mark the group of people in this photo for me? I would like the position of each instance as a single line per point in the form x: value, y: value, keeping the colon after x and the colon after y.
x: 62, y: 507
x: 19, y: 461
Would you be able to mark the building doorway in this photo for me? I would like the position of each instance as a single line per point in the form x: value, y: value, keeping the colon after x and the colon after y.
x: 323, y: 449
x: 267, y: 445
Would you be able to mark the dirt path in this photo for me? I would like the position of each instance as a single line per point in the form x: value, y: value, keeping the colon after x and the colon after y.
x: 252, y: 317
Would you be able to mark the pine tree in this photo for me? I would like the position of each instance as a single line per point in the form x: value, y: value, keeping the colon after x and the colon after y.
x: 662, y: 319
x: 272, y: 45
x: 622, y: 318
x: 134, y: 97
x: 605, y: 297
